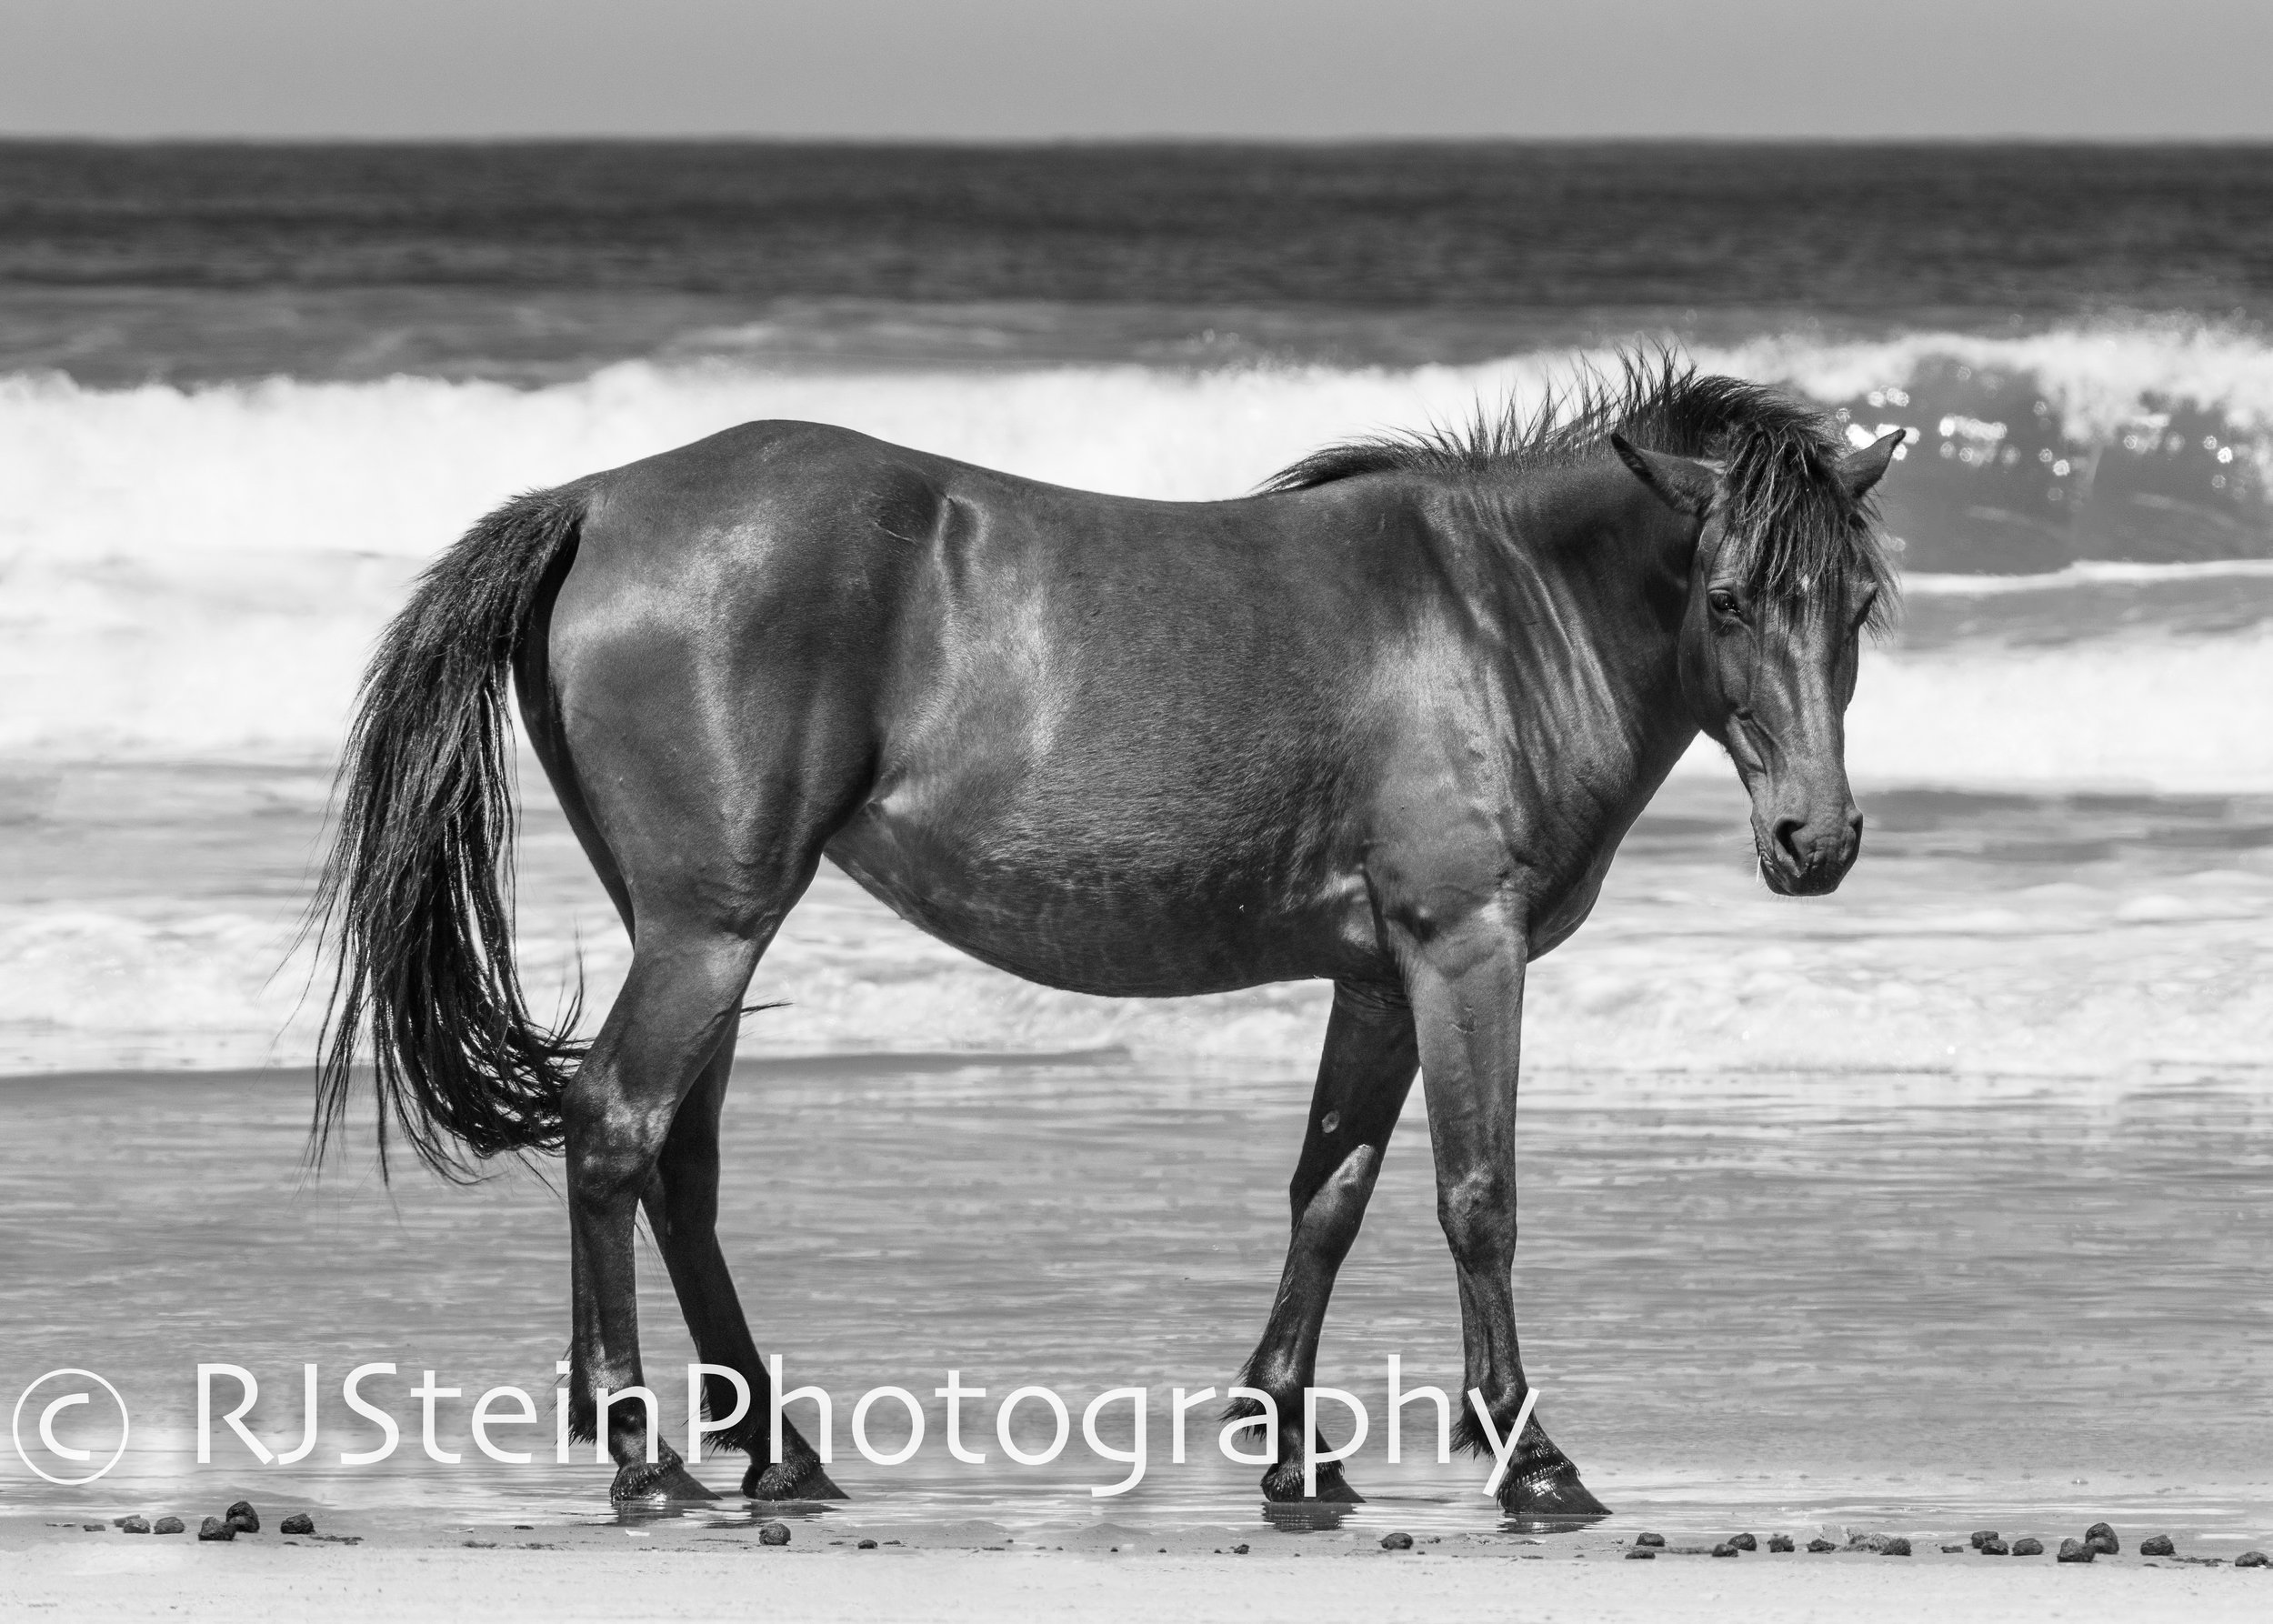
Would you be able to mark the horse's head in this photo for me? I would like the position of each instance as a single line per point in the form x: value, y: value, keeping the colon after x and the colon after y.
x: 1787, y: 574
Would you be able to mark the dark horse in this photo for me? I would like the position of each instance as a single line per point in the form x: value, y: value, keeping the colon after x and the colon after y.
x: 1384, y: 723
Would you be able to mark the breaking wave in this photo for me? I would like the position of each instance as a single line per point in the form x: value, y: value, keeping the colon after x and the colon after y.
x: 197, y: 573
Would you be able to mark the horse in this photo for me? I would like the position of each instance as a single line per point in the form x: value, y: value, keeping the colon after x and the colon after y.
x: 1383, y: 722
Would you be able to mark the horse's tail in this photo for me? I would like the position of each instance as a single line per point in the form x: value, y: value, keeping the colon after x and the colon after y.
x: 416, y: 895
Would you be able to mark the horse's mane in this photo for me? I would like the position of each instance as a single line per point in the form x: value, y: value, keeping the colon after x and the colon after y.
x: 1781, y: 499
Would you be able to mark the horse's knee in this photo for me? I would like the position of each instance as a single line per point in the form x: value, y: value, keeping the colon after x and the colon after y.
x: 1478, y: 1212
x: 1329, y: 1213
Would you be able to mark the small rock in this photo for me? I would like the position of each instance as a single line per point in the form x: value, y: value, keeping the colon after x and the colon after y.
x: 299, y: 1522
x: 865, y: 1545
x: 1983, y: 1536
x: 133, y: 1525
x: 1996, y: 1548
x: 2101, y: 1538
x: 2157, y: 1545
x: 167, y: 1525
x: 243, y: 1517
x: 1743, y: 1542
x: 1723, y: 1549
x: 1657, y: 1541
x: 1397, y: 1541
x: 91, y: 1528
x: 2075, y: 1550
x: 212, y: 1528
x: 1875, y: 1543
x: 1896, y: 1545
x: 1238, y: 1550
x: 1820, y: 1546
x: 774, y: 1533
x: 1640, y: 1553
x: 1951, y: 1549
x: 1780, y: 1541
x: 2253, y: 1558
x: 2027, y: 1546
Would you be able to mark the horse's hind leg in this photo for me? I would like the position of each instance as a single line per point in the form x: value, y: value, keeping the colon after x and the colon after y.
x: 681, y: 1204
x: 681, y: 999
x: 1363, y: 1075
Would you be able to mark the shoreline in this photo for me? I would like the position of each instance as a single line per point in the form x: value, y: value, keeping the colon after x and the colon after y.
x: 602, y: 1576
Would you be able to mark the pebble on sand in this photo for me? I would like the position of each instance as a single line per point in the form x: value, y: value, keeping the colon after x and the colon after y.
x: 167, y: 1525
x: 299, y: 1522
x: 1400, y: 1540
x: 243, y: 1517
x: 2101, y: 1538
x: 1723, y: 1549
x: 1995, y: 1547
x: 774, y: 1533
x: 1743, y: 1542
x: 212, y: 1528
x: 133, y: 1525
x: 1983, y: 1536
x: 2253, y: 1558
x: 90, y: 1527
x: 2157, y: 1545
x: 865, y: 1545
x: 2027, y: 1546
x: 1820, y: 1546
x: 2075, y: 1550
x: 1238, y: 1550
x: 1640, y: 1553
x: 1657, y: 1541
x: 1896, y: 1545
x: 1780, y: 1541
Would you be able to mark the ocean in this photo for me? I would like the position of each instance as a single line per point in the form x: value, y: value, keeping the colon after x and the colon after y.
x: 1931, y: 1196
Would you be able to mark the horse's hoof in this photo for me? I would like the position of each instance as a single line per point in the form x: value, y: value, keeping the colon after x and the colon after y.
x: 665, y: 1481
x: 1282, y: 1486
x: 1553, y: 1498
x: 789, y: 1481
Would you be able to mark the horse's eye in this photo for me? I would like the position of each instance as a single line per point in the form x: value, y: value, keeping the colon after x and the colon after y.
x: 1724, y: 601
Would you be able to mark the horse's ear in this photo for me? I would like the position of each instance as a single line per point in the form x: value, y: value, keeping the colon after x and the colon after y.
x: 1859, y: 470
x: 1684, y: 486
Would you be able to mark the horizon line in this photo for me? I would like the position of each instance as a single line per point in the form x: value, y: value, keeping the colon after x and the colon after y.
x: 1007, y: 143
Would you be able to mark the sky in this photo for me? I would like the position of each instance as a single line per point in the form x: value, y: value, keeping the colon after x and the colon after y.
x: 1053, y: 69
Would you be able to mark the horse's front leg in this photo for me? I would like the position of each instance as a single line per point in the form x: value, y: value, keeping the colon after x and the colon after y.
x: 1364, y: 1076
x: 1465, y: 982
x: 682, y: 997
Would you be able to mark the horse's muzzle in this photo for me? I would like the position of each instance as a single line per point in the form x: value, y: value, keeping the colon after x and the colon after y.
x: 1807, y: 856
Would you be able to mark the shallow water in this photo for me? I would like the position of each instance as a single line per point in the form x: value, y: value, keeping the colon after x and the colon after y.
x: 1796, y: 1300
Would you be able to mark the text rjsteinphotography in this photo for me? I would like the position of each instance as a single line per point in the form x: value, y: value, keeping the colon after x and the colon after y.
x: 984, y: 810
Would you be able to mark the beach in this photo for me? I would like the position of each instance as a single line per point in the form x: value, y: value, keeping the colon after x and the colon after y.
x: 1933, y: 1206
x: 107, y: 1577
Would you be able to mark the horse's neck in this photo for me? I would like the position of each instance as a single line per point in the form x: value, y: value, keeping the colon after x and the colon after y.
x: 1583, y: 597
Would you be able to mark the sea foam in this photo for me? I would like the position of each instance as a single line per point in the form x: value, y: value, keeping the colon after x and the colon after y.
x: 200, y: 573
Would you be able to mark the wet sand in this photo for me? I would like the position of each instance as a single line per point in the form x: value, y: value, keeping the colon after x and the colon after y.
x: 939, y: 1572
x: 1847, y: 1301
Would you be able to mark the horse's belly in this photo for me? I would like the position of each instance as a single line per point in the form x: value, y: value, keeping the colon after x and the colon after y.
x: 1085, y: 922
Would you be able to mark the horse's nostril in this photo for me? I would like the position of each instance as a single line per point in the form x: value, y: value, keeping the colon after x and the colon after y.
x: 1786, y: 836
